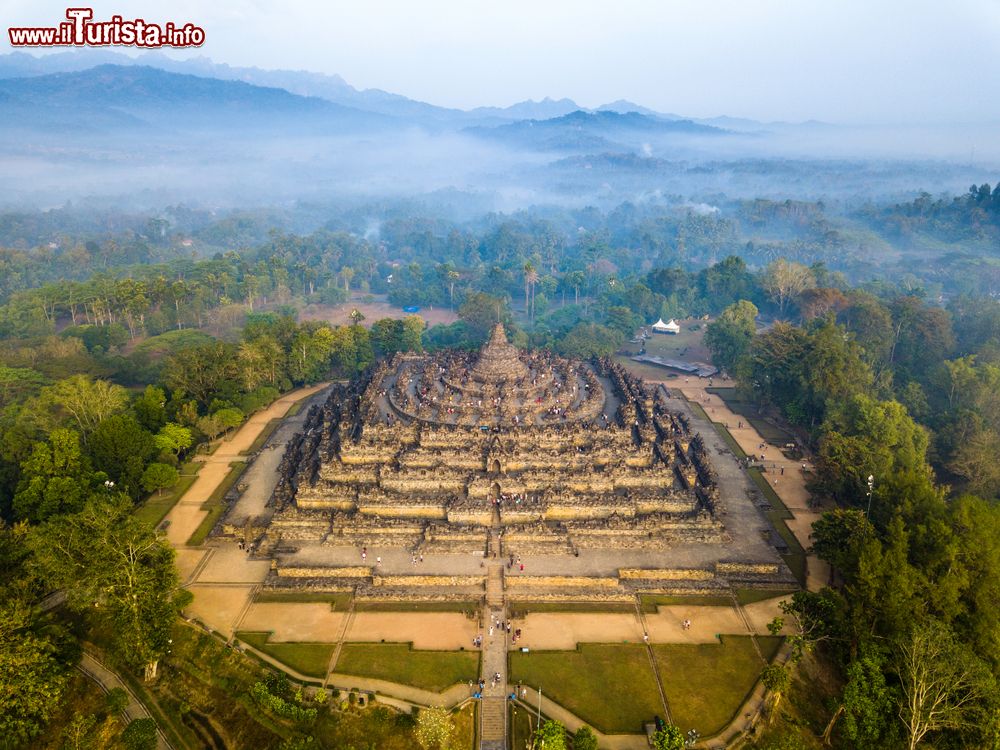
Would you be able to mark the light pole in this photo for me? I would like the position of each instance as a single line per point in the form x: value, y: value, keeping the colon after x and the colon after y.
x: 539, y: 706
x: 871, y: 487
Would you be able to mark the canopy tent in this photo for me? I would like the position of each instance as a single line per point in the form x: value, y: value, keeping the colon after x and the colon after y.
x: 661, y: 327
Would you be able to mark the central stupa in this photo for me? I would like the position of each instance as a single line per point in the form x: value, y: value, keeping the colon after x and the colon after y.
x: 499, y: 360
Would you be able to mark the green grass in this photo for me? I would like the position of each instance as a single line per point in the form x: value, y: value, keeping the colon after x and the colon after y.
x: 310, y: 659
x: 294, y: 409
x: 750, y: 596
x: 400, y: 606
x: 610, y: 686
x: 263, y: 437
x: 729, y: 440
x: 338, y: 601
x: 235, y: 470
x: 779, y: 513
x: 706, y: 683
x: 650, y: 602
x: 748, y: 410
x: 398, y: 662
x: 523, y: 608
x: 521, y: 724
x: 215, y: 506
x: 155, y: 508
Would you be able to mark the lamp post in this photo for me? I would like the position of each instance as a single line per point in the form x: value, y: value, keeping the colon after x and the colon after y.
x: 539, y: 706
x: 871, y: 487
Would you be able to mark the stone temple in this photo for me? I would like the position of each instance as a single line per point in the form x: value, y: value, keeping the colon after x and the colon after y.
x: 595, y: 481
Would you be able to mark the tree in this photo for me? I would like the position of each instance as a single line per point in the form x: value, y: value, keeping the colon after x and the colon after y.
x: 869, y: 703
x: 87, y: 402
x: 435, y: 729
x: 309, y: 354
x: 174, y: 438
x: 157, y: 477
x: 839, y: 537
x: 120, y: 447
x: 150, y: 408
x: 229, y: 418
x: 32, y: 675
x: 589, y: 340
x: 210, y: 426
x: 56, y: 478
x: 140, y: 734
x: 482, y: 311
x: 728, y: 337
x: 114, y: 566
x: 550, y: 736
x: 668, y: 738
x: 941, y: 682
x: 201, y: 371
x: 783, y: 280
x: 777, y: 679
x: 584, y: 739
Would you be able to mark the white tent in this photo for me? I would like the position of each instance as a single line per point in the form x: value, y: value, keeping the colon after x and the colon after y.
x: 661, y: 327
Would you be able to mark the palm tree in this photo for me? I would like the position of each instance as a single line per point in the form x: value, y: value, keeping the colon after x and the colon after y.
x: 532, y: 278
x: 453, y: 276
x: 528, y: 270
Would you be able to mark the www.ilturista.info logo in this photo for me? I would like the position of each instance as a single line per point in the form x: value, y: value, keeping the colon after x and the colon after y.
x: 82, y: 31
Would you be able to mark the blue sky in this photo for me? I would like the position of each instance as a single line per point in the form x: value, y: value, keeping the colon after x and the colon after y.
x: 874, y: 61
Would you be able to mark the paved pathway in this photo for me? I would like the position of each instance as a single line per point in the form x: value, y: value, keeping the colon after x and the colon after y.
x: 790, y: 486
x: 108, y: 681
x: 186, y: 516
x: 493, y: 711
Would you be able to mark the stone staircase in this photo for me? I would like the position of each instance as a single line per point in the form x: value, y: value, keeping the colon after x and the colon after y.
x: 493, y: 707
x: 493, y: 724
x: 494, y: 588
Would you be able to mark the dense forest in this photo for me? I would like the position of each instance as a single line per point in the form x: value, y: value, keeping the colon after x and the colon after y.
x: 126, y: 342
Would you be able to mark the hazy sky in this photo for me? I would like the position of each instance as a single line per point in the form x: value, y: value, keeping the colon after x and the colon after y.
x: 835, y: 60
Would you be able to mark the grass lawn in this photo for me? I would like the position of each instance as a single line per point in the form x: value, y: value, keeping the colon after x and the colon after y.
x: 265, y: 433
x: 796, y: 557
x: 398, y: 662
x: 610, y: 686
x: 651, y: 601
x: 706, y: 683
x: 750, y: 596
x: 381, y: 606
x: 521, y: 723
x: 155, y: 508
x: 214, y: 504
x: 310, y: 659
x: 338, y: 601
x: 748, y: 410
x: 524, y: 608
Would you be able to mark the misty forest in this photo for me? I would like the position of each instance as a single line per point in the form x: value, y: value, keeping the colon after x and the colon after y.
x: 182, y: 242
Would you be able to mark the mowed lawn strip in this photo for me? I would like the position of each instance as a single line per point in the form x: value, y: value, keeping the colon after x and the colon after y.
x: 398, y: 662
x: 310, y: 659
x: 706, y: 683
x: 156, y: 506
x: 338, y: 601
x: 608, y: 685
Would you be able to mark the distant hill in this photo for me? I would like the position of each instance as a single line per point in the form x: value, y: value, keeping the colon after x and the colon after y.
x: 593, y: 131
x: 135, y: 95
x: 333, y: 88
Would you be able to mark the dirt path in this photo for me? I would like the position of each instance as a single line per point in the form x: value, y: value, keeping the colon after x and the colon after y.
x: 786, y: 476
x: 108, y: 681
x: 185, y: 517
x: 222, y: 578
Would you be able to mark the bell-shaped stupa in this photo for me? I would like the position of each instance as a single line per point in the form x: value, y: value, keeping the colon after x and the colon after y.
x: 498, y: 359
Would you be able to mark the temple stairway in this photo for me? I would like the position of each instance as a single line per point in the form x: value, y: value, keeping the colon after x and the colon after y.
x: 493, y: 709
